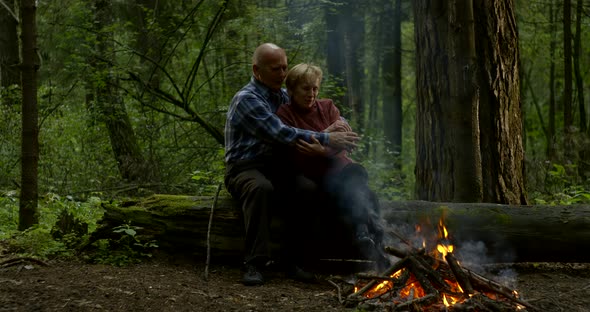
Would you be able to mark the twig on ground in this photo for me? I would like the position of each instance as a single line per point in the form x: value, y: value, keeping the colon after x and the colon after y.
x: 16, y: 261
x: 339, y: 291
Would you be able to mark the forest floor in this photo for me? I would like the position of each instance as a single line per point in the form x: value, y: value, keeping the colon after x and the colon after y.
x: 179, y: 285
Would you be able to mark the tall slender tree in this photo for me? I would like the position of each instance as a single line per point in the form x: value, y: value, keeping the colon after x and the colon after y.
x: 392, y: 79
x: 551, y: 144
x: 577, y: 55
x: 345, y: 46
x: 583, y: 164
x: 28, y: 211
x: 568, y: 117
x: 9, y: 58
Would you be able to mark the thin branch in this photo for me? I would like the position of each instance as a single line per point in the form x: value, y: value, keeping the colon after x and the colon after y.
x: 209, y: 232
x: 9, y: 11
x: 210, y: 31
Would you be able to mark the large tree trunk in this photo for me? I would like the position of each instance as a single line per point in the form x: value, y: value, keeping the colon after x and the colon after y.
x: 500, y: 106
x: 468, y: 122
x: 433, y: 156
x: 28, y: 211
x: 502, y: 233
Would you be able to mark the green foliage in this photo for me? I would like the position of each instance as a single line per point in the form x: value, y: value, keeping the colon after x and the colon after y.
x: 10, y: 133
x: 37, y: 242
x: 41, y: 241
x: 64, y: 229
x: 206, y: 181
x: 125, y: 248
x: 561, y: 187
x: 8, y: 214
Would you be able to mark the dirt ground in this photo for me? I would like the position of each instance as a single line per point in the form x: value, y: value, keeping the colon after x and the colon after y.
x: 171, y: 285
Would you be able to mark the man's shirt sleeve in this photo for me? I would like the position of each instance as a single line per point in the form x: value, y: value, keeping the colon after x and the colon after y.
x: 258, y: 119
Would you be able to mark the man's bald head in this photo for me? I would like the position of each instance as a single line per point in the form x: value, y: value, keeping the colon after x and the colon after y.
x: 269, y: 65
x: 265, y: 50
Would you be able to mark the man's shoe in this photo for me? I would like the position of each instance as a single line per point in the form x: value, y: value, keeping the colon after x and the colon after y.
x: 252, y: 277
x: 299, y: 274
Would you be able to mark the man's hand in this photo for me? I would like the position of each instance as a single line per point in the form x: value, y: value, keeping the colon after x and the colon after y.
x: 312, y: 149
x: 338, y: 126
x: 343, y: 140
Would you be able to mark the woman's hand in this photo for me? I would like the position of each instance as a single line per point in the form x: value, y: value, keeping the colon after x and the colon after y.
x: 312, y: 149
x: 338, y: 126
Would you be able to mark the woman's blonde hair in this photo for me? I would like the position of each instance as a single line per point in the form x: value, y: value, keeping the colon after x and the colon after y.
x: 302, y: 72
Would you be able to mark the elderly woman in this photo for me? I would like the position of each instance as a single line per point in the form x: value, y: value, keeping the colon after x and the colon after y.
x: 332, y: 171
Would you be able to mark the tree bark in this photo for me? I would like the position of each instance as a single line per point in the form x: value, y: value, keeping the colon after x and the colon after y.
x: 469, y: 140
x: 463, y: 115
x: 28, y: 211
x: 126, y: 150
x: 392, y: 81
x: 354, y: 42
x: 433, y: 155
x: 503, y: 233
x: 500, y: 110
x: 9, y: 58
x: 551, y: 144
x: 568, y: 118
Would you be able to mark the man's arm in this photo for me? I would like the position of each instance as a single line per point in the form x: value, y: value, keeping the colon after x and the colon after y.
x: 256, y: 118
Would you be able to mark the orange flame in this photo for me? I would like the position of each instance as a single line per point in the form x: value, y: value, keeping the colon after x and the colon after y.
x: 412, y: 289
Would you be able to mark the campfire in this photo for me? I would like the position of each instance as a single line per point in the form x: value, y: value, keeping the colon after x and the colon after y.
x: 432, y: 279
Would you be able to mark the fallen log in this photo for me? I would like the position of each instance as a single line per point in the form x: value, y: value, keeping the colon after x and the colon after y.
x: 509, y: 233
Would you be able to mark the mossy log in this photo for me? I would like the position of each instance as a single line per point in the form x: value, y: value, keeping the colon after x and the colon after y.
x: 504, y: 233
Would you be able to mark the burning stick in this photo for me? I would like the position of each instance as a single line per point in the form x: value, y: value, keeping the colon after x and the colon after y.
x: 416, y: 268
x: 420, y: 263
x: 376, y: 277
x: 394, y: 268
x: 460, y: 275
x: 498, y: 288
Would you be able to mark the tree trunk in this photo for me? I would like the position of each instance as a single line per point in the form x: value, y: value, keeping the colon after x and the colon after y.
x: 9, y: 58
x: 577, y: 54
x: 508, y: 233
x: 583, y: 139
x: 463, y: 107
x: 433, y: 154
x: 126, y: 150
x: 469, y: 123
x: 392, y: 82
x: 354, y: 42
x: 28, y: 211
x: 551, y: 144
x: 500, y: 111
x: 335, y: 52
x: 568, y: 119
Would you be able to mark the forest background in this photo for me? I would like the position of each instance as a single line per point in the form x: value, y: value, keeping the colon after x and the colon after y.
x: 132, y: 95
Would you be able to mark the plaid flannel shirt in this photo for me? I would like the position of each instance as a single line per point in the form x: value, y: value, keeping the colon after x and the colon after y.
x: 252, y: 127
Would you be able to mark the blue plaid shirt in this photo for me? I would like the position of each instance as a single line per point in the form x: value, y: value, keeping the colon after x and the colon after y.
x: 252, y: 127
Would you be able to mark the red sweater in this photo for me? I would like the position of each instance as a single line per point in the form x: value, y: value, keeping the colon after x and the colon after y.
x: 322, y: 114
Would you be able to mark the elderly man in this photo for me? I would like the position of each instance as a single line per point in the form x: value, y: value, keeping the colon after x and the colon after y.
x: 253, y: 176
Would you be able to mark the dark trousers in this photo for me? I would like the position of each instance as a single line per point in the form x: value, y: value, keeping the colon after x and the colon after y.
x: 265, y: 190
x: 357, y: 206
